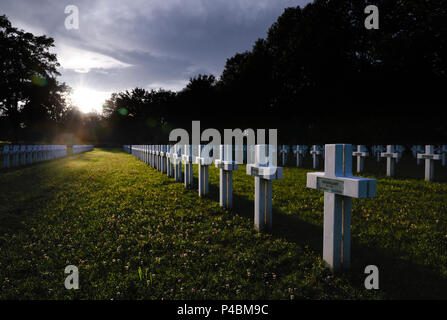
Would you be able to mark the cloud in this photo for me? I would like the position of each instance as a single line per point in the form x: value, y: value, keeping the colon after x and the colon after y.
x: 123, y: 44
x: 83, y: 61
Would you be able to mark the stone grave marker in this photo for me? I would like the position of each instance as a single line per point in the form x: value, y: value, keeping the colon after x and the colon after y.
x: 415, y: 150
x: 226, y: 166
x: 339, y: 186
x: 391, y: 157
x: 316, y: 151
x: 264, y: 172
x: 177, y: 161
x: 429, y: 156
x: 283, y: 151
x: 361, y: 153
x: 6, y: 155
x: 187, y: 160
x: 300, y: 152
x: 204, y: 161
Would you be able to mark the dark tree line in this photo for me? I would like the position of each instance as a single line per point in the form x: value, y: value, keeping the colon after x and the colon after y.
x: 318, y: 77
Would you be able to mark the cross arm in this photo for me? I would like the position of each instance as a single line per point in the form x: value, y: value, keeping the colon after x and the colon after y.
x: 225, y: 165
x: 267, y: 173
x: 350, y: 186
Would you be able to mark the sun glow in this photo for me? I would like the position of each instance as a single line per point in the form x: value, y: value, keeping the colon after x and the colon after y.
x: 88, y: 100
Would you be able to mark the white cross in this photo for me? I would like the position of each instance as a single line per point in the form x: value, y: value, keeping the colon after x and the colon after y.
x: 283, y: 151
x: 6, y: 153
x: 226, y: 166
x: 264, y: 172
x: 22, y: 155
x: 187, y: 160
x: 204, y: 161
x: 251, y: 150
x: 299, y: 152
x: 170, y: 161
x: 339, y: 186
x: 391, y: 157
x: 429, y: 157
x: 177, y: 161
x: 415, y: 150
x: 29, y: 154
x: 361, y: 153
x: 443, y: 152
x: 377, y: 151
x: 153, y: 156
x: 164, y: 156
x: 315, y: 152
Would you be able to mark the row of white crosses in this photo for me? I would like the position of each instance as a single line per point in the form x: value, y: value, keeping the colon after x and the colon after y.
x: 82, y: 148
x: 337, y: 181
x: 300, y: 152
x: 169, y: 159
x: 21, y: 155
x: 393, y: 154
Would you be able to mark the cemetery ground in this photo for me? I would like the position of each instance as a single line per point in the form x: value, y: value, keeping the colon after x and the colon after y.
x: 134, y: 233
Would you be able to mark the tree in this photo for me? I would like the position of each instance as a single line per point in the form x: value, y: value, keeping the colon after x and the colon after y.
x: 26, y: 64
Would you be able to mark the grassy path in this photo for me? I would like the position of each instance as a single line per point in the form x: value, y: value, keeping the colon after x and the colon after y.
x: 111, y: 215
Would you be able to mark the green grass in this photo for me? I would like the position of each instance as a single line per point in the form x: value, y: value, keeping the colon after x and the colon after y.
x: 134, y: 233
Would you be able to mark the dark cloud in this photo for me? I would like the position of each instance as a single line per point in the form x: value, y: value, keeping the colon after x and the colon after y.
x: 150, y: 44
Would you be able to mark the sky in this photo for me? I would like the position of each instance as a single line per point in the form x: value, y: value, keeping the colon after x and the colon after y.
x: 149, y: 44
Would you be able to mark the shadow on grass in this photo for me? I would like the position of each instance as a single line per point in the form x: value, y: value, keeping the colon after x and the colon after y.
x: 399, y: 278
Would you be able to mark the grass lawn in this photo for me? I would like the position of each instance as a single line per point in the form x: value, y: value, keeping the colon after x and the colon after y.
x: 112, y: 216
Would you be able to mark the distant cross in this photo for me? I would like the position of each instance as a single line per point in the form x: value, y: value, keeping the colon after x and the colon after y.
x: 391, y: 157
x: 443, y: 152
x: 361, y: 153
x: 29, y: 154
x: 152, y: 156
x: 170, y: 161
x: 6, y: 152
x: 300, y: 152
x: 377, y: 151
x: 283, y: 151
x: 187, y: 160
x: 251, y: 149
x: 264, y: 172
x: 40, y: 153
x: 315, y: 152
x: 22, y: 155
x: 429, y: 157
x: 177, y: 160
x: 159, y: 157
x: 163, y: 155
x: 339, y: 186
x: 226, y: 166
x: 415, y: 150
x: 204, y: 161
